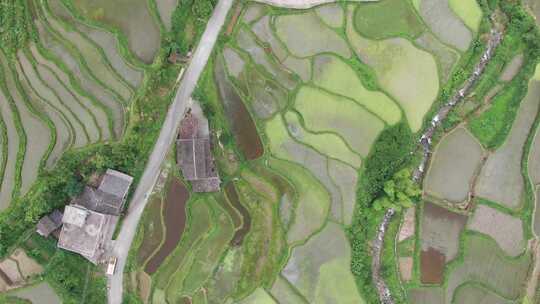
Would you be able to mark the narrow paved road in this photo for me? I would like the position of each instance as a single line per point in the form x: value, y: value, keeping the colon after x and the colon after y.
x: 301, y: 4
x: 166, y: 137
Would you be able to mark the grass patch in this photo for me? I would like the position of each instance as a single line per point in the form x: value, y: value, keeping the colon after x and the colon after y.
x: 492, y: 126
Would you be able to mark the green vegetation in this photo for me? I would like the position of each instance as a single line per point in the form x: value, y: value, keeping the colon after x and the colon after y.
x: 71, y: 276
x: 387, y: 18
x: 15, y: 25
x: 492, y: 126
x: 399, y: 192
x: 389, y: 154
x: 188, y: 22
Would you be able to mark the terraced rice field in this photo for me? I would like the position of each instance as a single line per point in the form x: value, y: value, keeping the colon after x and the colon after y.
x: 305, y: 95
x: 407, y: 73
x: 67, y: 89
x: 306, y: 103
x: 132, y: 18
x: 312, y: 268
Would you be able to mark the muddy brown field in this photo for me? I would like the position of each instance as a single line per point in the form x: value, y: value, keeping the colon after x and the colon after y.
x: 174, y: 214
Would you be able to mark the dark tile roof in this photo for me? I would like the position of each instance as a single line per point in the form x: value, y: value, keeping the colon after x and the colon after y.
x: 194, y: 153
x: 99, y: 201
x: 115, y: 183
x: 49, y: 223
x: 56, y: 217
x: 195, y: 158
x: 46, y: 226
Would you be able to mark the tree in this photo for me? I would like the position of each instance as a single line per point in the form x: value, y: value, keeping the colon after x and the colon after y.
x: 399, y: 192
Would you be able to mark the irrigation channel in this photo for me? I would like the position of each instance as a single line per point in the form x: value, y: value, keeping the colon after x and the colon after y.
x: 495, y: 38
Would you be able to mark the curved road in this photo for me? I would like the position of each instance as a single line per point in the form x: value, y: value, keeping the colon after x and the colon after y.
x: 301, y: 4
x: 166, y: 137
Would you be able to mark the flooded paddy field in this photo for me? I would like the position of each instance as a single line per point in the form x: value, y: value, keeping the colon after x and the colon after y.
x: 503, y: 228
x: 174, y: 221
x: 335, y: 75
x: 200, y: 263
x: 341, y: 116
x: 485, y: 263
x: 445, y: 23
x: 86, y: 83
x: 166, y: 9
x: 407, y: 73
x: 132, y: 18
x: 12, y: 141
x: 196, y: 231
x: 426, y: 295
x: 105, y: 40
x: 456, y: 160
x: 243, y: 126
x: 311, y: 205
x: 96, y: 63
x: 306, y: 35
x: 446, y: 57
x: 318, y: 128
x: 37, y: 134
x: 439, y: 240
x: 474, y: 293
x: 313, y: 266
x: 387, y: 18
x: 41, y: 293
x: 332, y: 14
x: 63, y: 130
